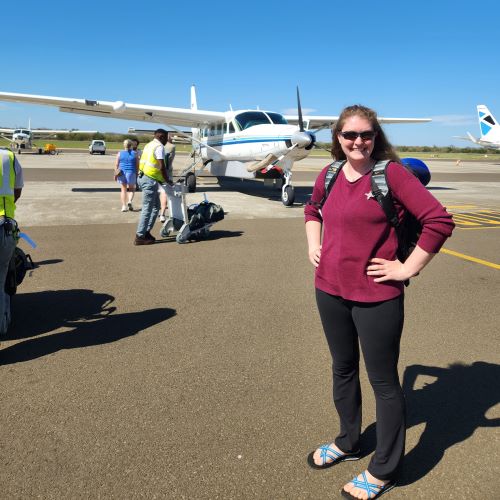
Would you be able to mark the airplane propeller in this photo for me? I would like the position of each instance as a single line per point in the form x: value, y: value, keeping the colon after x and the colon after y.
x: 299, y: 110
x: 302, y: 139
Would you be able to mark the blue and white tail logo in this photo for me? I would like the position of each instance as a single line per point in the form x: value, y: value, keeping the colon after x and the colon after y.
x: 490, y: 130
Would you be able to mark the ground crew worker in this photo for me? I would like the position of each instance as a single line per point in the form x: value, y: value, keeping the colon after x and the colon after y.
x: 11, y: 184
x: 152, y: 170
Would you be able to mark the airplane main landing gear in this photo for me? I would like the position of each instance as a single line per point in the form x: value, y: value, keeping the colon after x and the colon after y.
x: 190, y: 182
x: 287, y: 191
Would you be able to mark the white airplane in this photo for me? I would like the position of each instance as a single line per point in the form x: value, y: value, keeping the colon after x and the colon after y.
x: 489, y: 128
x: 244, y: 144
x: 21, y: 139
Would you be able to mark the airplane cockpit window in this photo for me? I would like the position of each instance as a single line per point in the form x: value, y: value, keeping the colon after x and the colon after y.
x: 231, y: 128
x: 27, y: 132
x: 251, y: 118
x: 277, y: 119
x: 17, y: 131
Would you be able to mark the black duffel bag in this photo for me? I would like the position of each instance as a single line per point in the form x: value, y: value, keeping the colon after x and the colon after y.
x: 18, y: 265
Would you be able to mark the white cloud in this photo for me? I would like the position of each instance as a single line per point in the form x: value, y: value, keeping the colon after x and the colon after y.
x: 455, y: 119
x: 293, y: 111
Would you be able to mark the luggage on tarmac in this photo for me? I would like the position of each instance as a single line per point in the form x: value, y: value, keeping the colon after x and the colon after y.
x: 18, y: 265
x: 204, y: 213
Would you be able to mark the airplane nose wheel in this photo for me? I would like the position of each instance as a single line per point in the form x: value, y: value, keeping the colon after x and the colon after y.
x: 288, y: 196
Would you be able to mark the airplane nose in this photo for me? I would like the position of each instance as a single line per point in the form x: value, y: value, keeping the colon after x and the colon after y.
x: 303, y: 139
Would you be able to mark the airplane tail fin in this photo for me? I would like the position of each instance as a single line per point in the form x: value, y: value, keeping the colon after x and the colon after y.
x: 194, y: 131
x: 490, y: 129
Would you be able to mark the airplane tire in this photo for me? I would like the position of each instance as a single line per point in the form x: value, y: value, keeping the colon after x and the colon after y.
x: 288, y: 196
x: 191, y: 182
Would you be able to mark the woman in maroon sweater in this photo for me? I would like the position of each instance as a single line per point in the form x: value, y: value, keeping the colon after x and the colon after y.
x: 359, y: 290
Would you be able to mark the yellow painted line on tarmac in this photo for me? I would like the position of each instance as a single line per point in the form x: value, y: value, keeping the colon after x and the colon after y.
x: 463, y: 221
x: 472, y: 259
x: 461, y: 206
x: 480, y: 227
x: 479, y: 218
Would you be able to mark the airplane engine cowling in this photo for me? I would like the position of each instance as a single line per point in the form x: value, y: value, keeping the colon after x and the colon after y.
x: 419, y: 169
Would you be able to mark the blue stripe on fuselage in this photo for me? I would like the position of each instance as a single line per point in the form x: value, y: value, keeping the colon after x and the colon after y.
x: 245, y: 141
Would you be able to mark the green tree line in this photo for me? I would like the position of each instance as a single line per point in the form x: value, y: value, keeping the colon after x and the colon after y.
x: 109, y: 137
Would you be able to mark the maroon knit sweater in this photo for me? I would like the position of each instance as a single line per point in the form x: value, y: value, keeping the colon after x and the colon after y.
x: 355, y: 229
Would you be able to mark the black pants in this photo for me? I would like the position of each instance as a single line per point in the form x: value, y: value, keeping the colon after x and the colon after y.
x: 378, y: 327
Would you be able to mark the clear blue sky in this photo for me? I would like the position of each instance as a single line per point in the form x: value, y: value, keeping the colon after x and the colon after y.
x: 432, y: 59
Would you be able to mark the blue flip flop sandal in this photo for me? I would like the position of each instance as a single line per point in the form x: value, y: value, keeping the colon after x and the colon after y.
x: 331, y: 454
x: 371, y: 488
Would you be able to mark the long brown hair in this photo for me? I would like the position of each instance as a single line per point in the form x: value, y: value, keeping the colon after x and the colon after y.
x: 382, y: 150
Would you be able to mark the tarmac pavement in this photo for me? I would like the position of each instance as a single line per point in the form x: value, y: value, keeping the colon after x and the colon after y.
x: 201, y: 371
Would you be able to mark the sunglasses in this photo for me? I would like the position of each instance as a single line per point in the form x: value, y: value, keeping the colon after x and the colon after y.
x: 367, y: 135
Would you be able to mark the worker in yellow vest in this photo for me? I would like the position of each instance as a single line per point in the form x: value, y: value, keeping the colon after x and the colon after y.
x: 152, y: 170
x: 11, y: 184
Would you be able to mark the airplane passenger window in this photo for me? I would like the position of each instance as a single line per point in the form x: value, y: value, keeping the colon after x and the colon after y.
x: 277, y: 118
x: 251, y: 118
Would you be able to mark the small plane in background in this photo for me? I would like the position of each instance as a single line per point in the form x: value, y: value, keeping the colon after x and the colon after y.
x: 243, y: 144
x: 21, y: 139
x: 489, y: 128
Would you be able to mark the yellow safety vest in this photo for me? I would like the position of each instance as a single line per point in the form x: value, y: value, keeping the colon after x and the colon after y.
x: 149, y: 164
x: 7, y: 181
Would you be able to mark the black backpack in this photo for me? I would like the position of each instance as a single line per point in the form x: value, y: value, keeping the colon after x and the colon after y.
x: 408, y: 230
x: 18, y: 265
x: 204, y: 213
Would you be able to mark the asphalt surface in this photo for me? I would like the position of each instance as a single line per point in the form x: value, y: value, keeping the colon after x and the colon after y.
x: 201, y: 371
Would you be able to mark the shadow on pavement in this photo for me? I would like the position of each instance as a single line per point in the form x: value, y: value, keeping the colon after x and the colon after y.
x: 87, y: 314
x: 452, y: 407
x: 439, y: 188
x: 257, y: 188
x: 212, y: 235
x: 217, y: 234
x: 96, y: 190
x: 46, y: 262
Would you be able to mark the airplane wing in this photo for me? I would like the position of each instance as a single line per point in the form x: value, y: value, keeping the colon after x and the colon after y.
x: 320, y: 122
x: 178, y: 137
x: 6, y: 130
x: 468, y: 137
x: 122, y: 110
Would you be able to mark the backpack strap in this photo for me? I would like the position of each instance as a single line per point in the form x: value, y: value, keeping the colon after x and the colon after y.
x: 330, y: 178
x: 382, y: 193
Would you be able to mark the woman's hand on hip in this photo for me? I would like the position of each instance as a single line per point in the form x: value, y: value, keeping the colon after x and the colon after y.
x: 385, y: 270
x: 315, y: 256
